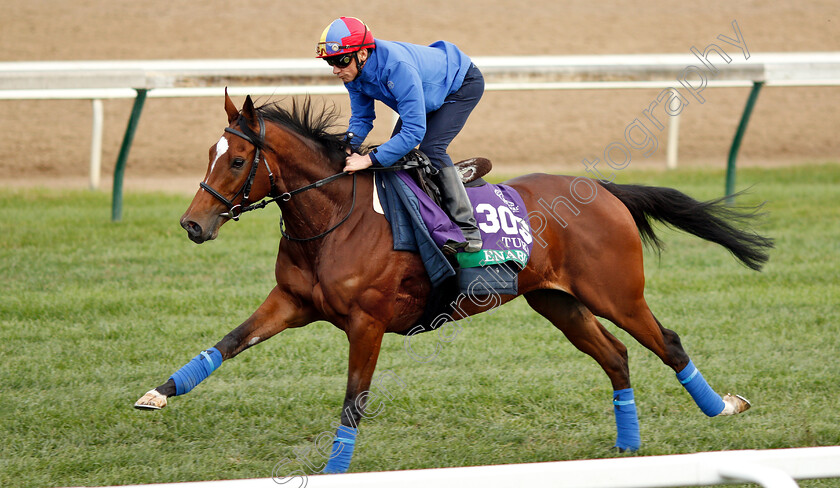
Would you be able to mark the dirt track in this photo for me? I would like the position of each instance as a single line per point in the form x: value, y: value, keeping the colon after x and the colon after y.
x: 48, y: 141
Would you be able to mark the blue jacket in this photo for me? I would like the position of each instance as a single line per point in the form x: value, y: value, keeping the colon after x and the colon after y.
x: 412, y: 80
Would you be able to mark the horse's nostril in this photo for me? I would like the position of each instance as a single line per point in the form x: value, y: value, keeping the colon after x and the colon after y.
x: 192, y: 228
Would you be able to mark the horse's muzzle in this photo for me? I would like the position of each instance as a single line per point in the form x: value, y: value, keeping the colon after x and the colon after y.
x: 194, y: 231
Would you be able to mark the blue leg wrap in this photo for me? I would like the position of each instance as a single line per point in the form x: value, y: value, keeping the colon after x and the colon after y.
x: 626, y: 420
x: 342, y: 450
x: 197, y: 370
x: 704, y: 396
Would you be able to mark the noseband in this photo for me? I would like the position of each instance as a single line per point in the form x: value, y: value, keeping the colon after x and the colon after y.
x: 236, y: 210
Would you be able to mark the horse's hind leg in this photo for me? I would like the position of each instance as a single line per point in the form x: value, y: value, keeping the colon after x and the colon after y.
x: 584, y: 331
x: 638, y: 321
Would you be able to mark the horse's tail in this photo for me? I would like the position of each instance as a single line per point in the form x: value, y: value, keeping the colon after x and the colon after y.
x: 711, y: 220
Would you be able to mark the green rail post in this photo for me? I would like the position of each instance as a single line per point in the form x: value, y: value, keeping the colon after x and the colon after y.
x: 736, y: 143
x: 119, y: 170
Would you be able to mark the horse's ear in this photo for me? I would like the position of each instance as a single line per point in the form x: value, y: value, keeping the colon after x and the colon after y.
x: 248, y: 110
x: 230, y: 108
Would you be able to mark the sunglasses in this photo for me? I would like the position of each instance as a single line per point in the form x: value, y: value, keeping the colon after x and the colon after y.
x: 341, y: 61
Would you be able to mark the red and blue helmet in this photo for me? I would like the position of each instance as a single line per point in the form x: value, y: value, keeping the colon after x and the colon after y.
x: 343, y: 36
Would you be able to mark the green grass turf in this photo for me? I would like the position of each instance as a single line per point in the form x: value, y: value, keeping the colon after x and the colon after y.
x: 93, y: 314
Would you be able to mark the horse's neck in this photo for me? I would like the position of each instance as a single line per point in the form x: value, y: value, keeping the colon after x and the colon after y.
x: 313, y: 211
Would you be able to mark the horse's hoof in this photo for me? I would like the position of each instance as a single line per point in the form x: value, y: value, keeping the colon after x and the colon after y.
x: 152, y: 400
x: 615, y: 450
x: 734, y: 404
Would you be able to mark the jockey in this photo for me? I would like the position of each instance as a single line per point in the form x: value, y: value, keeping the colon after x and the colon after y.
x: 432, y: 88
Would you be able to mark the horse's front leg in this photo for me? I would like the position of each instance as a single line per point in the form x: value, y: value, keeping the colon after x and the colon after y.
x: 277, y: 313
x: 365, y: 336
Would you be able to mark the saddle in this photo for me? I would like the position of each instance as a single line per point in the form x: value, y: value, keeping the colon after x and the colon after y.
x: 418, y: 165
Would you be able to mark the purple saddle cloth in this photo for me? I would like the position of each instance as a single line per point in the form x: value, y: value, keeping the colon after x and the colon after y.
x: 418, y: 224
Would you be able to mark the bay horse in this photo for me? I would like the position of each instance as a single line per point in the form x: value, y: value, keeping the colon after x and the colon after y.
x: 336, y: 261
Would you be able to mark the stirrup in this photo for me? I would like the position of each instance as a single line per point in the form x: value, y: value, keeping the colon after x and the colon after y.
x: 473, y: 245
x: 451, y: 247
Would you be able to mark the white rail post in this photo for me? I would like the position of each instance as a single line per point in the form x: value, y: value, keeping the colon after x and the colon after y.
x: 673, y: 140
x: 96, y: 144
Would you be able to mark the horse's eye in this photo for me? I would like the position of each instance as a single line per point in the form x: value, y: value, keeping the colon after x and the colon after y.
x: 237, y: 163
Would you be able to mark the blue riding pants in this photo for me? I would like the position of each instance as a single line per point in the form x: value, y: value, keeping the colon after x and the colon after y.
x: 445, y: 123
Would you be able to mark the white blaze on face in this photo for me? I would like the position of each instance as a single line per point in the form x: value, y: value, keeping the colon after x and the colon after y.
x: 221, y: 149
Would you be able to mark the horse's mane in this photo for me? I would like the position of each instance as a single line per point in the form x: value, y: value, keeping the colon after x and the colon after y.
x: 317, y: 123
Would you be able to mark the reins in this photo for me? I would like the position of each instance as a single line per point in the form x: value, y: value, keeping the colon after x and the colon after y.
x: 236, y: 210
x: 309, y: 187
x: 285, y: 197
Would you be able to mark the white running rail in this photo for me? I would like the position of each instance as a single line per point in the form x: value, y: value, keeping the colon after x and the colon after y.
x: 777, y: 468
x: 99, y: 80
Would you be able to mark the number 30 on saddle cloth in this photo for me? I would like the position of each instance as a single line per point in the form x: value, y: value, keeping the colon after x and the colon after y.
x: 420, y: 225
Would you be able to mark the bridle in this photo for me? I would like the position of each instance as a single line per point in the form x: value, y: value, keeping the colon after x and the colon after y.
x: 236, y: 210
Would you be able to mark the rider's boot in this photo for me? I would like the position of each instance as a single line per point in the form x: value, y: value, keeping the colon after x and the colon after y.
x: 456, y: 204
